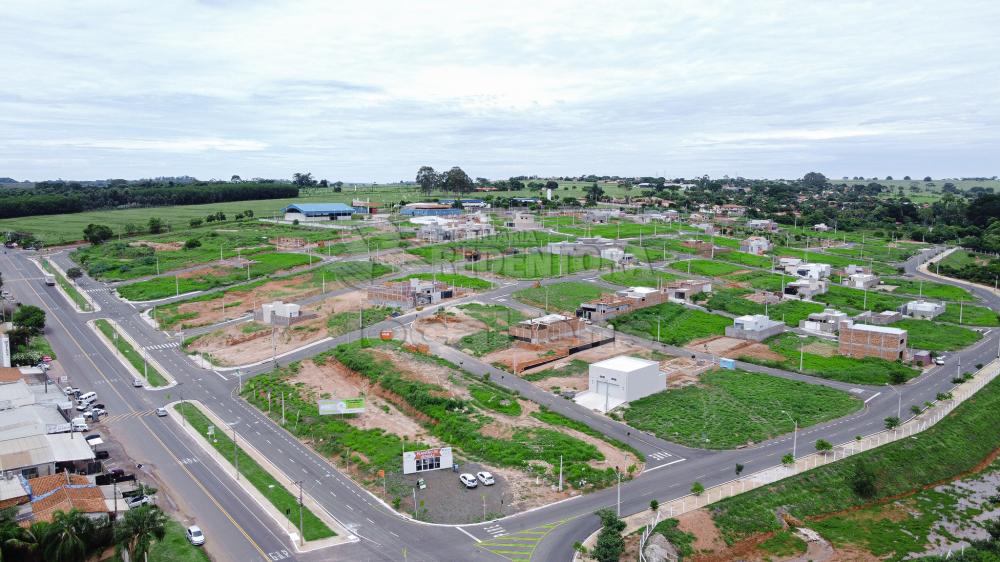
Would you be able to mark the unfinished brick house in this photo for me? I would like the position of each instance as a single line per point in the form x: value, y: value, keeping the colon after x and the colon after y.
x: 864, y: 340
x: 548, y: 328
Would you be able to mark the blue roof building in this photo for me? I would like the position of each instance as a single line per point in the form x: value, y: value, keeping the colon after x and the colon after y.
x: 318, y: 211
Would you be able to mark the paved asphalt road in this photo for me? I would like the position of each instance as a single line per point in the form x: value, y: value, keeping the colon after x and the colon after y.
x: 230, y: 517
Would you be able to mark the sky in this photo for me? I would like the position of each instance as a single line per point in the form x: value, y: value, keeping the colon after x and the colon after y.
x: 372, y: 91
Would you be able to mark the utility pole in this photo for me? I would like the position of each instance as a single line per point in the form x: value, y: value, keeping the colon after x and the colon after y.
x: 236, y: 454
x: 302, y: 536
x: 795, y: 433
x: 619, y: 507
x: 560, y: 473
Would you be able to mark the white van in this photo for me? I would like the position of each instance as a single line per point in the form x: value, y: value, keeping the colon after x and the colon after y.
x: 85, y: 400
x: 136, y: 382
x: 79, y: 424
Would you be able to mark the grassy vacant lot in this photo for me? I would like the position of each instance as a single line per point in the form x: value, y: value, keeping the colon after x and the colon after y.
x: 970, y: 315
x: 618, y: 229
x: 678, y: 324
x: 955, y: 445
x: 282, y: 499
x: 746, y: 259
x: 650, y: 251
x: 491, y: 246
x: 340, y: 323
x: 851, y: 300
x: 534, y: 265
x: 67, y: 286
x: 564, y: 297
x: 830, y: 365
x: 453, y: 279
x: 731, y: 408
x: 494, y: 338
x: 162, y: 287
x: 789, y: 311
x: 925, y: 334
x: 708, y: 268
x: 175, y: 547
x: 134, y: 358
x: 639, y: 277
x: 117, y: 260
x: 574, y: 367
x: 930, y: 290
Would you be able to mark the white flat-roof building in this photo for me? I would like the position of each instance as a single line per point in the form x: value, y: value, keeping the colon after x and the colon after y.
x: 279, y: 312
x: 621, y: 379
x: 756, y: 245
x: 861, y: 281
x: 809, y: 270
x: 923, y: 309
x: 756, y: 327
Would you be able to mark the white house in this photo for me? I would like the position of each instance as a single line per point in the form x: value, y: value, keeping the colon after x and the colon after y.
x: 923, y: 309
x: 756, y: 327
x: 810, y: 270
x: 762, y: 224
x: 756, y: 245
x: 279, y: 312
x: 821, y: 227
x: 621, y: 379
x: 861, y: 281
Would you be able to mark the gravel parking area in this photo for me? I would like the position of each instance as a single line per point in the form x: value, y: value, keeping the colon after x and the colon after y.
x: 447, y: 500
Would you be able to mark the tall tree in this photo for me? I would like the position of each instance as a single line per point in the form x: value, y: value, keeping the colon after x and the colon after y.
x: 428, y: 179
x: 66, y: 539
x: 155, y: 225
x: 458, y: 181
x: 138, y: 529
x: 814, y: 180
x: 30, y: 318
x: 28, y: 541
x: 593, y: 193
x: 303, y: 179
x: 97, y: 233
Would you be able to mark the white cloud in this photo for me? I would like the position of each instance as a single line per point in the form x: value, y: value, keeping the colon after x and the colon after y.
x: 266, y: 88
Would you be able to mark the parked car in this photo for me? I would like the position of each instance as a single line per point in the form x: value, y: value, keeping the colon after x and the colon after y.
x: 139, y: 501
x: 136, y: 382
x: 161, y: 412
x: 485, y: 478
x: 468, y: 480
x: 72, y: 391
x: 195, y: 536
x: 95, y: 414
x: 939, y: 360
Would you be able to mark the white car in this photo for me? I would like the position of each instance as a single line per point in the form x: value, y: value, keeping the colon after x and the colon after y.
x: 161, y: 412
x: 468, y: 480
x: 939, y: 360
x: 137, y: 502
x: 195, y: 536
x: 95, y: 414
x: 486, y: 478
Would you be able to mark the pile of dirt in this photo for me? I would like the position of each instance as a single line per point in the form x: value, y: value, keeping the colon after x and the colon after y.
x: 158, y: 246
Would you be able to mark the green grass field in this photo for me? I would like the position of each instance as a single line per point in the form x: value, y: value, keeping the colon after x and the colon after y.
x: 453, y: 279
x: 162, y: 287
x: 743, y: 258
x: 970, y: 315
x: 175, y: 547
x: 677, y: 324
x: 536, y: 266
x: 854, y: 301
x: 489, y: 247
x: 560, y: 297
x: 67, y: 286
x: 928, y: 289
x: 282, y: 499
x: 649, y: 252
x: 956, y: 444
x: 933, y: 336
x: 153, y: 376
x: 707, y: 268
x: 640, y: 277
x: 733, y: 302
x: 731, y: 408
x: 830, y: 365
x: 494, y: 338
x: 340, y: 323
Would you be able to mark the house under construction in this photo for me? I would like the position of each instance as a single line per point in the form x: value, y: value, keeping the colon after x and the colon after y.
x: 408, y: 293
x: 546, y: 329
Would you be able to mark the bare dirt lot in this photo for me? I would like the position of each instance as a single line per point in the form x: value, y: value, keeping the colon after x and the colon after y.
x: 250, y: 342
x: 576, y: 381
x: 734, y: 348
x: 158, y: 246
x: 451, y: 326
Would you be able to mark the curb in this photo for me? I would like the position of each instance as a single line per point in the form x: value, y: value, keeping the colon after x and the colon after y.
x: 171, y: 381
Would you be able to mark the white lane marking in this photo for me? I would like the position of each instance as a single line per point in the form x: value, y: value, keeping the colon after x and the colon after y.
x: 473, y: 537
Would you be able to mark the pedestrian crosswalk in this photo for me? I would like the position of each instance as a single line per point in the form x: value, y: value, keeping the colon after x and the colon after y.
x: 519, y: 546
x: 162, y: 346
x: 124, y: 417
x: 97, y: 290
x: 660, y: 456
x: 495, y: 530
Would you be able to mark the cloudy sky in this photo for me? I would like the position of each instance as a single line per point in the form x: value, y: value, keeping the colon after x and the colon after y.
x: 369, y: 91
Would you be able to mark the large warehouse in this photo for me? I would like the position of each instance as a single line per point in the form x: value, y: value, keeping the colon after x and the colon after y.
x: 313, y: 212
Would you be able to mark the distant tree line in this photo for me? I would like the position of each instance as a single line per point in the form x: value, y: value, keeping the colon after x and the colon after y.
x: 70, y: 197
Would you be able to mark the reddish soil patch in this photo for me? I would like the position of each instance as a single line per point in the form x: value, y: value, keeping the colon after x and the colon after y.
x: 209, y: 271
x: 707, y: 537
x: 158, y: 246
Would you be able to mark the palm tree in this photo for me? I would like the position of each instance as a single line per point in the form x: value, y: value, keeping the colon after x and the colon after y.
x: 29, y: 539
x: 137, y: 530
x: 66, y: 539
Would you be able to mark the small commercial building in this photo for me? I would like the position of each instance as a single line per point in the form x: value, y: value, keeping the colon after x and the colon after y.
x: 315, y: 212
x: 755, y: 327
x: 278, y: 313
x: 366, y: 207
x: 865, y: 340
x: 861, y: 281
x: 923, y: 309
x: 429, y: 210
x: 756, y: 245
x: 621, y: 379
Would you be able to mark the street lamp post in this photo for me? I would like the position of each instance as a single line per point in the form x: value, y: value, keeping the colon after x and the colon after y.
x: 795, y: 433
x: 899, y: 400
